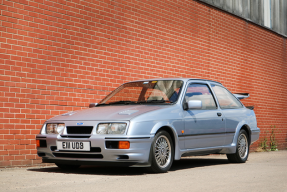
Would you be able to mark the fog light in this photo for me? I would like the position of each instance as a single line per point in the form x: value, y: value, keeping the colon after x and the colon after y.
x: 124, y: 144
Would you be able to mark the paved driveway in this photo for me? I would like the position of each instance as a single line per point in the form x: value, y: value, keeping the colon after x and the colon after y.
x: 265, y: 171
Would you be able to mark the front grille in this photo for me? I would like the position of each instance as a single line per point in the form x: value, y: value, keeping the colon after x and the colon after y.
x: 79, y: 129
x: 79, y: 156
x: 53, y: 148
x: 96, y: 149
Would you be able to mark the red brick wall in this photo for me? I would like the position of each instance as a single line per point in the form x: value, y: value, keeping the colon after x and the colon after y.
x: 57, y: 56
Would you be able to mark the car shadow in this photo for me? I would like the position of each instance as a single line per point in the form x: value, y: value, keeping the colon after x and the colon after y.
x: 186, y: 163
x: 191, y: 163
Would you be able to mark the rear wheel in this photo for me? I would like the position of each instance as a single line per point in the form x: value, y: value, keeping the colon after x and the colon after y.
x: 162, y: 153
x: 242, y: 149
x: 67, y: 167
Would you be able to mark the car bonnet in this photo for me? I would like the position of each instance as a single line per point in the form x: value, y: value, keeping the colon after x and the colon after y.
x: 107, y: 113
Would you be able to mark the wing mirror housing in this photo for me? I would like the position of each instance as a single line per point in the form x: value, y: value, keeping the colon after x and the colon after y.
x: 194, y: 104
x: 91, y: 105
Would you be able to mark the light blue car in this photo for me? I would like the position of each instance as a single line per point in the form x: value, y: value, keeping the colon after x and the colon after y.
x: 151, y: 123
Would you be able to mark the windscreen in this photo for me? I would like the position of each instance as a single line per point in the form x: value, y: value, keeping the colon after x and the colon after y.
x: 162, y: 91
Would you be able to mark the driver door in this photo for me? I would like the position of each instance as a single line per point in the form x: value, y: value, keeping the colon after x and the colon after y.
x: 204, y: 127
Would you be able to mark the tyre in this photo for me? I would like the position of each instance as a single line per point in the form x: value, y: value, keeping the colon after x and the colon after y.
x: 67, y: 167
x: 242, y: 149
x: 161, y: 153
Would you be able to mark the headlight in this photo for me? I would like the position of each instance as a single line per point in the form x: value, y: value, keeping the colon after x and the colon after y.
x: 54, y: 128
x: 111, y: 128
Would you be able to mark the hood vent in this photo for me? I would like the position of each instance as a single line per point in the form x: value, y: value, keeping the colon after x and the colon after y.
x: 128, y: 112
x: 69, y: 113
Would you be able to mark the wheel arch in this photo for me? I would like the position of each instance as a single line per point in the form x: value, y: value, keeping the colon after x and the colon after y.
x: 242, y: 125
x: 173, y: 134
x: 170, y: 132
x: 248, y: 131
x: 234, y: 156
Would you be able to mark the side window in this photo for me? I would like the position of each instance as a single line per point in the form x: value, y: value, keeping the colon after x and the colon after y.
x: 225, y: 99
x: 200, y: 92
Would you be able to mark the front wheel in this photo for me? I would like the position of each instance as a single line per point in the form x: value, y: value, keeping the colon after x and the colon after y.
x: 242, y: 149
x: 67, y: 167
x: 162, y: 153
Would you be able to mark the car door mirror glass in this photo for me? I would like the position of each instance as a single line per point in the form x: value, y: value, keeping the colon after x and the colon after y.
x: 195, y: 104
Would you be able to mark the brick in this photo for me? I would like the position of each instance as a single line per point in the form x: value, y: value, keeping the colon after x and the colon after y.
x: 14, y: 152
x: 19, y: 157
x: 3, y: 153
x: 21, y: 147
x: 5, y: 163
x: 16, y: 163
x: 9, y: 158
x: 30, y: 157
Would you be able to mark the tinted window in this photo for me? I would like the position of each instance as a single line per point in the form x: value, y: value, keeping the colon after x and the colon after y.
x: 200, y: 92
x: 225, y: 98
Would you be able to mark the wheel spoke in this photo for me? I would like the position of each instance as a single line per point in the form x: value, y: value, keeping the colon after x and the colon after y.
x: 162, y: 151
x: 242, y: 146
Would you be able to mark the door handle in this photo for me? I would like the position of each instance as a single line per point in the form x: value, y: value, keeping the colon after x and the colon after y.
x: 219, y: 114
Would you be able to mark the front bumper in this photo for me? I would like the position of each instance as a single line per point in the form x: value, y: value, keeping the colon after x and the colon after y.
x: 136, y: 155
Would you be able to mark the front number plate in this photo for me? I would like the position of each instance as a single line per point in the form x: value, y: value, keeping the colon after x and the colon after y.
x: 73, y: 146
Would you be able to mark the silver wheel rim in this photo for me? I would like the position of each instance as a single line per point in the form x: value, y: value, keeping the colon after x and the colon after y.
x: 162, y: 151
x: 242, y: 146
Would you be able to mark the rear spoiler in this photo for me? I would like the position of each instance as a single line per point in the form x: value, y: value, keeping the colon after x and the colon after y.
x: 241, y: 95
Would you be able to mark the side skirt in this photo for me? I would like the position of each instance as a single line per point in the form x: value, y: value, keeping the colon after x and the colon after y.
x: 228, y: 149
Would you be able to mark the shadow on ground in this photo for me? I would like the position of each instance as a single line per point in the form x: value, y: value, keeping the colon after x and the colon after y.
x: 132, y: 171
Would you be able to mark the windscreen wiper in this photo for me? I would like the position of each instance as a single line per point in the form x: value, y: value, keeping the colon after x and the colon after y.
x: 155, y: 101
x: 101, y: 104
x: 122, y: 102
x: 132, y: 102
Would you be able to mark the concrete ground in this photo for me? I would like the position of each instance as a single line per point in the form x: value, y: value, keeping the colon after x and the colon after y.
x: 265, y: 171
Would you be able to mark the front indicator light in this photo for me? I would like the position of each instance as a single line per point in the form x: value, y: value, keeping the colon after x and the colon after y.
x: 41, y: 143
x: 38, y: 143
x: 124, y: 144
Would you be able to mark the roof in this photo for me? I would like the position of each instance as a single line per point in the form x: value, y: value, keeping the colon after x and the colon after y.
x: 183, y: 79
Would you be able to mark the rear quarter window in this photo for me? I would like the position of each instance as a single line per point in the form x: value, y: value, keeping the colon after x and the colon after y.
x: 226, y: 99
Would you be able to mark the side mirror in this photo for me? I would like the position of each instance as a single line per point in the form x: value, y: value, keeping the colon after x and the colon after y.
x: 91, y: 105
x: 194, y: 104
